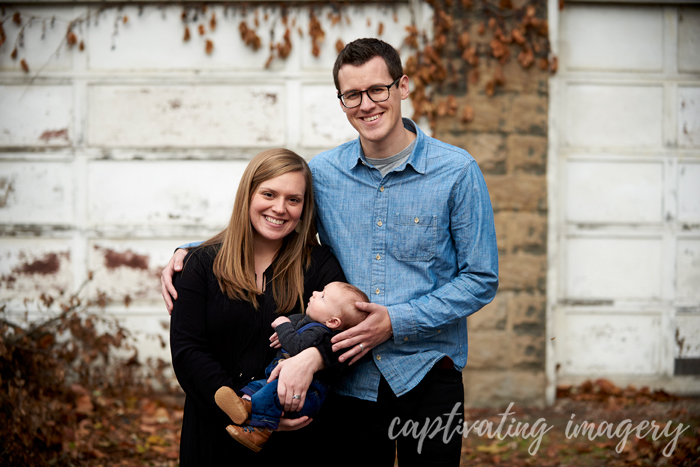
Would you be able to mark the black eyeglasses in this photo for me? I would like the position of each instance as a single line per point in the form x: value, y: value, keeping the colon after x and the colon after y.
x: 352, y: 99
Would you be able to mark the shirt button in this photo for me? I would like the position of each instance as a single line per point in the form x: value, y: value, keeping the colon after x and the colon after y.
x: 377, y: 291
x: 405, y: 339
x: 416, y: 220
x: 379, y: 357
x: 381, y: 188
x: 379, y: 223
x: 379, y: 257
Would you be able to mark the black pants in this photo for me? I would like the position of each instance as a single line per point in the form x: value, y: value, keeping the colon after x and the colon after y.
x: 421, y: 427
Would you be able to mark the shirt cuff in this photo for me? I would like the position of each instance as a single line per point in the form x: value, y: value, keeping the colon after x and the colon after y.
x: 402, y: 323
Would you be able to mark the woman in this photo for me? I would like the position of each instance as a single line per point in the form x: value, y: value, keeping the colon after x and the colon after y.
x: 266, y: 263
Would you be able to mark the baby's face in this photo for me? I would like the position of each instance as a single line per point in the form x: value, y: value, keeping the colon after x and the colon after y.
x: 325, y: 305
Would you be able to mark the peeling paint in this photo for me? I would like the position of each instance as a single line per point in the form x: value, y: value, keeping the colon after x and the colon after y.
x: 128, y: 259
x: 6, y: 188
x: 49, y: 264
x: 48, y: 135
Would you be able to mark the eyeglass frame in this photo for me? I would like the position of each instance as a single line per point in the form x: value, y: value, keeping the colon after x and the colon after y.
x: 366, y: 91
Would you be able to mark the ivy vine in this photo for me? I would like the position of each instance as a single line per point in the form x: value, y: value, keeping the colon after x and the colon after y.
x: 465, y: 34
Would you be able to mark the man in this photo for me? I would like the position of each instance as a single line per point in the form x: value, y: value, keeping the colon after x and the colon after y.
x: 410, y: 220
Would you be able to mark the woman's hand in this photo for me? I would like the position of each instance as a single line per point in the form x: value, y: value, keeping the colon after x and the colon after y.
x: 275, y: 341
x: 295, y: 375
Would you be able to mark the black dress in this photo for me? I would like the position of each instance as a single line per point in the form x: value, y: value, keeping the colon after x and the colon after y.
x: 218, y: 342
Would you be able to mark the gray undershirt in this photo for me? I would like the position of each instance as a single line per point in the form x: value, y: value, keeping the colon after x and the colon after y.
x: 388, y: 164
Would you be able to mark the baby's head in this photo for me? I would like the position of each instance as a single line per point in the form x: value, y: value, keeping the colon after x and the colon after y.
x: 335, y: 307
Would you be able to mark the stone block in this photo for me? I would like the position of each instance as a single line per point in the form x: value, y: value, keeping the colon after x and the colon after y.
x: 491, y: 317
x: 526, y: 153
x: 488, y: 149
x: 487, y: 352
x: 530, y: 80
x: 490, y: 113
x: 522, y: 272
x: 497, y: 389
x: 527, y: 352
x: 527, y: 312
x: 517, y: 193
x: 521, y: 231
x: 528, y: 114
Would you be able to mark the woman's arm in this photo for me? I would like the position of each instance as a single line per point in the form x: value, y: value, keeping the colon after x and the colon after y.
x: 295, y: 375
x: 197, y: 371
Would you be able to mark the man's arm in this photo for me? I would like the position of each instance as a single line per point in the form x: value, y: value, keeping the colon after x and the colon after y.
x: 167, y: 289
x: 472, y: 231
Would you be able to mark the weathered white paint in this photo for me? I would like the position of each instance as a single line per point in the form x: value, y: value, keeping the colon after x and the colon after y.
x: 37, y: 192
x: 114, y: 155
x: 173, y: 193
x: 610, y: 268
x: 631, y: 342
x: 688, y: 272
x: 614, y: 192
x: 612, y: 39
x: 601, y: 115
x: 36, y: 116
x: 624, y: 204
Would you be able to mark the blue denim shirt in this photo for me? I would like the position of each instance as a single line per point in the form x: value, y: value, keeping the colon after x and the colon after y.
x: 420, y: 241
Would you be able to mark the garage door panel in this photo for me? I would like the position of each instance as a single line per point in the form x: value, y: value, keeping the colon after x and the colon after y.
x: 599, y: 115
x: 613, y: 38
x: 614, y: 192
x: 611, y: 344
x: 613, y: 268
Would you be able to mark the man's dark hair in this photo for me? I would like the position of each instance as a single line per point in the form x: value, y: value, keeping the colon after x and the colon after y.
x: 361, y: 51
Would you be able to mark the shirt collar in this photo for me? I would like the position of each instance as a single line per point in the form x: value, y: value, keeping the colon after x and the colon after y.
x: 417, y: 159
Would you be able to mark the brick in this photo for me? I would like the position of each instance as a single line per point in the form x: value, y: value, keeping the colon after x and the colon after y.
x: 526, y: 153
x: 517, y: 193
x: 522, y: 272
x: 487, y: 352
x: 497, y: 389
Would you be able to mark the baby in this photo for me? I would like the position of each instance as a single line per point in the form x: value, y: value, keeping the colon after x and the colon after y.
x: 328, y: 313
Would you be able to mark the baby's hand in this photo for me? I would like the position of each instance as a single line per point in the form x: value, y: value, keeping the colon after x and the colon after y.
x: 275, y: 341
x: 280, y: 320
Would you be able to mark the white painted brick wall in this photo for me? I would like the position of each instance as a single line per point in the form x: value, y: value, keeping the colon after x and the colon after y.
x: 112, y: 156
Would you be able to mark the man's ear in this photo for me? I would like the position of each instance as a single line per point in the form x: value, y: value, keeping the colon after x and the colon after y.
x: 334, y: 323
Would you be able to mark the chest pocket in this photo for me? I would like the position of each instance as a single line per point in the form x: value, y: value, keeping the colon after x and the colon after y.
x: 414, y: 237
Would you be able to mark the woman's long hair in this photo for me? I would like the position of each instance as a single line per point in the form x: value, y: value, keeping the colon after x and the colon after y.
x: 234, y: 265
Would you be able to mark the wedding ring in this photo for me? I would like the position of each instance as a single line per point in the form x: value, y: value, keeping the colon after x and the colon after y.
x: 362, y: 348
x: 296, y: 396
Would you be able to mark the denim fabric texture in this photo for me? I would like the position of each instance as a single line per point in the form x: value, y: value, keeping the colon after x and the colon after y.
x: 420, y: 241
x: 266, y: 406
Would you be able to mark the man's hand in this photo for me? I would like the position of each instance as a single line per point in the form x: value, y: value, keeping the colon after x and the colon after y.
x: 295, y: 375
x: 371, y: 332
x: 167, y: 289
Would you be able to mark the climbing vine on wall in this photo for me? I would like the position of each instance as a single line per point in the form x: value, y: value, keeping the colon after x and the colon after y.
x: 466, y: 34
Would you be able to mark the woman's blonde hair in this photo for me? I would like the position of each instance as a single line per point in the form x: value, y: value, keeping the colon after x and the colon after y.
x: 234, y: 265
